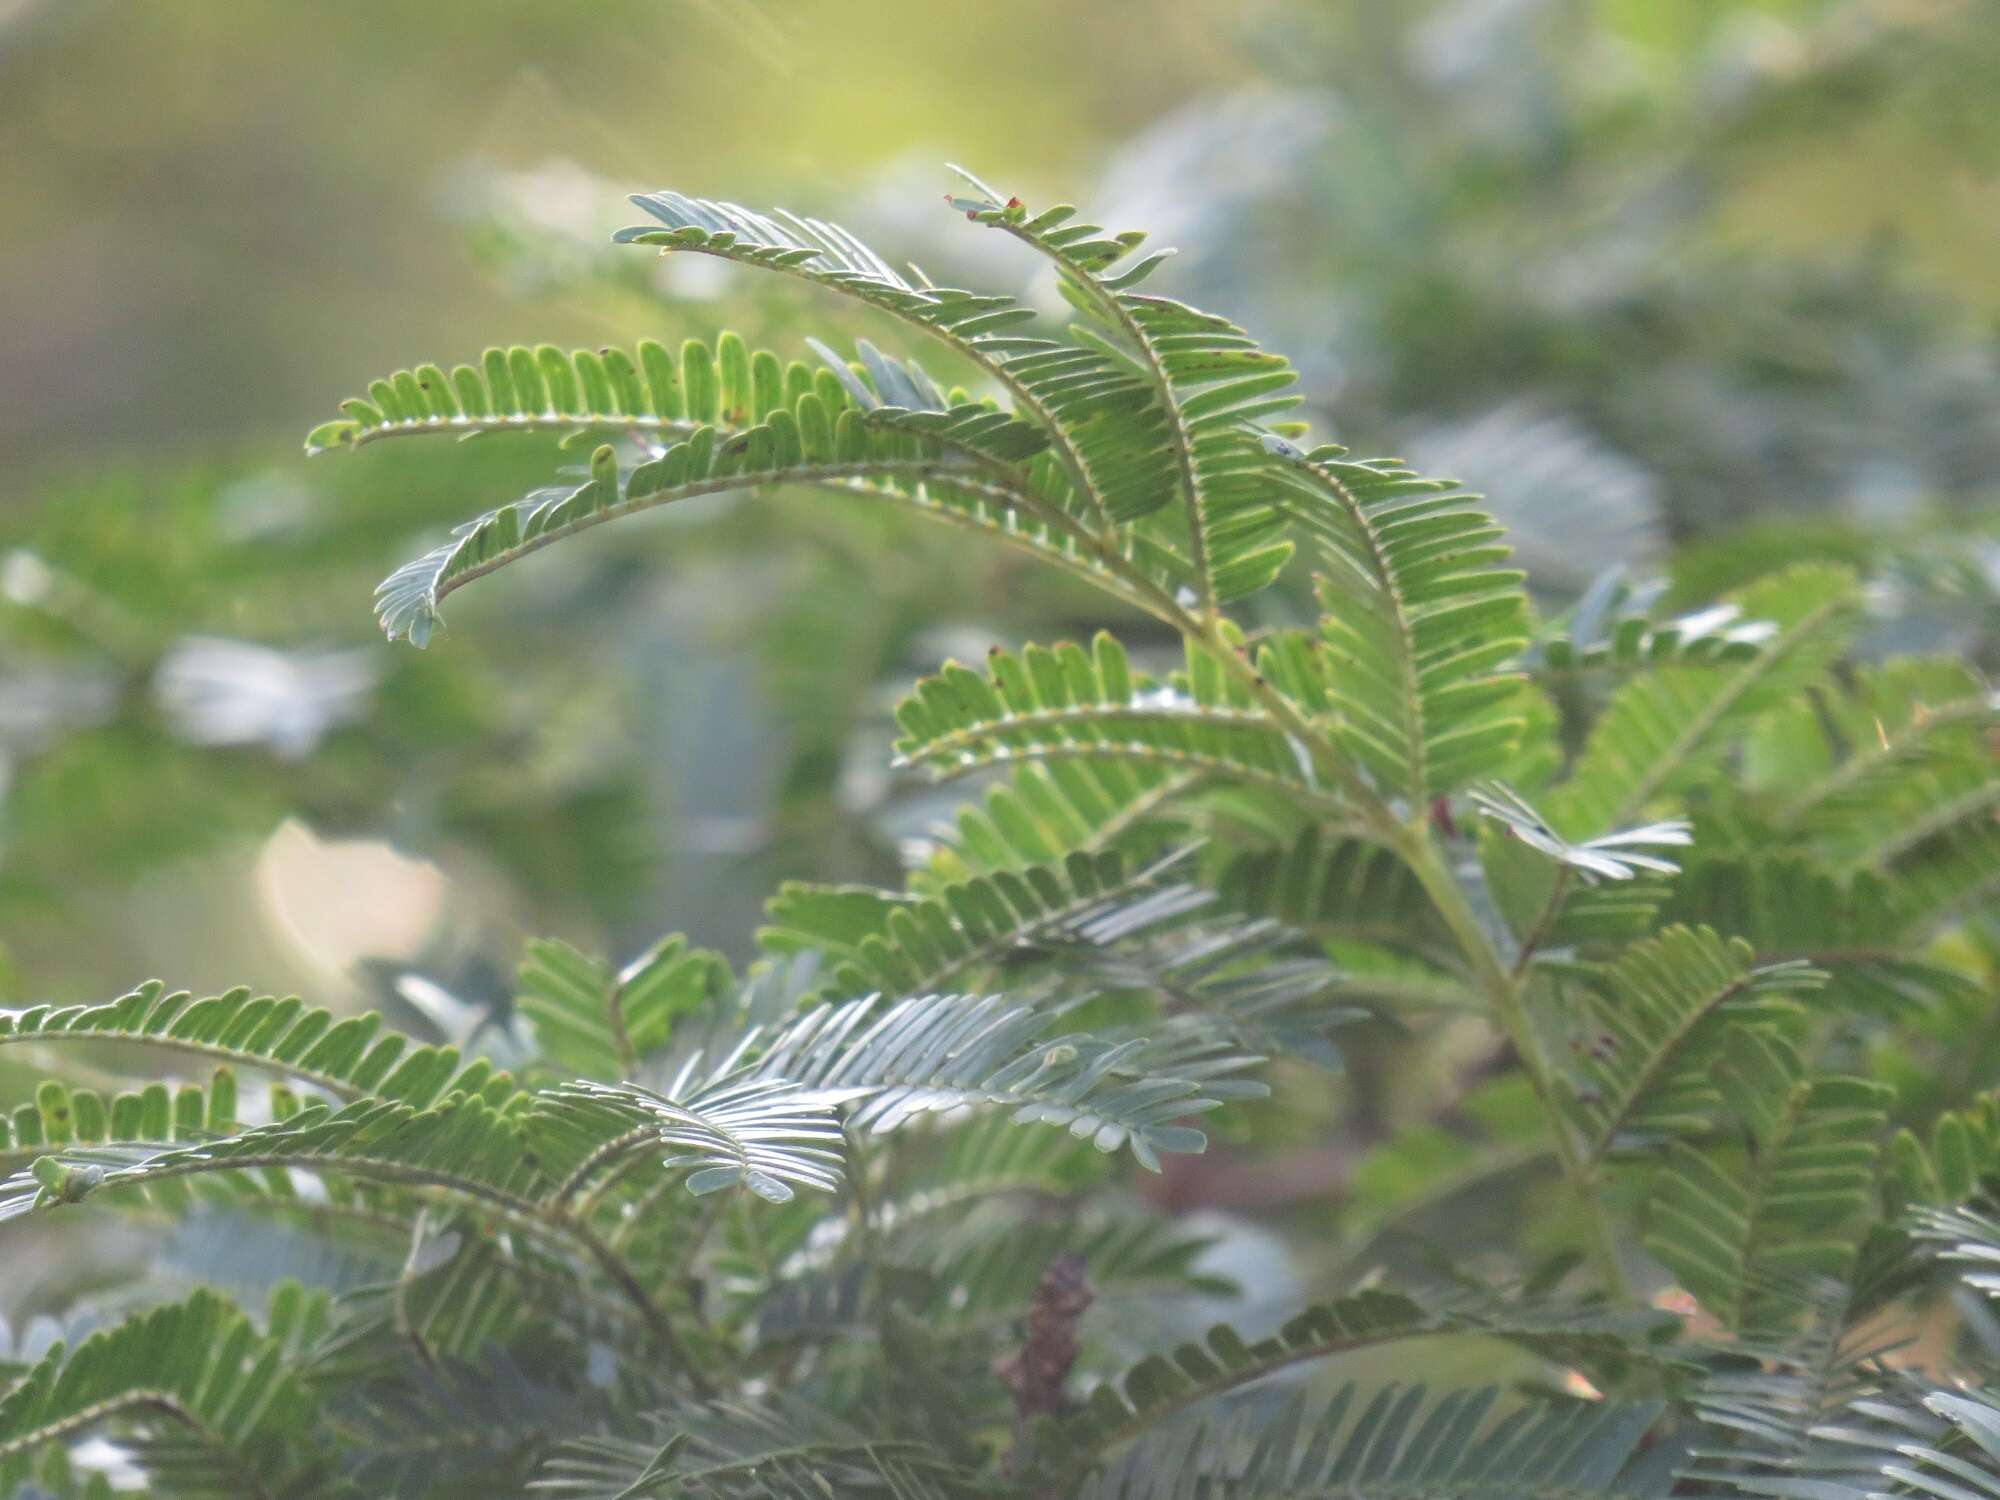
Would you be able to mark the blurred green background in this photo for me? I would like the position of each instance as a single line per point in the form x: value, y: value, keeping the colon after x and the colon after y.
x: 1688, y: 284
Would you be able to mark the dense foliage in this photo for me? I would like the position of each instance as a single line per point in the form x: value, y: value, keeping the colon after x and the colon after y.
x: 1706, y: 891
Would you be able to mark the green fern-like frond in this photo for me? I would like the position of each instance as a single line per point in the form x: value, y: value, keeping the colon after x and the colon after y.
x: 1652, y: 1031
x: 813, y: 451
x: 1092, y: 925
x: 243, y: 1231
x: 1943, y: 859
x: 1872, y: 1433
x: 603, y: 1024
x: 1338, y: 888
x: 758, y: 1116
x: 445, y: 1428
x: 1962, y: 1462
x: 348, y: 1059
x: 1963, y: 1236
x: 214, y: 1407
x: 1814, y: 1413
x: 127, y: 1126
x: 62, y: 1115
x: 1163, y: 1385
x: 1126, y: 434
x: 737, y: 1451
x: 880, y: 940
x: 509, y: 1154
x: 1954, y: 1164
x: 384, y: 1164
x: 1857, y: 927
x: 1846, y: 772
x: 1207, y: 387
x: 1046, y: 810
x: 1893, y: 773
x: 1420, y: 623
x: 1066, y: 703
x: 1750, y: 1235
x: 942, y: 1052
x: 740, y: 421
x: 1394, y: 1445
x: 767, y: 1135
x: 1256, y: 980
x: 798, y: 1220
x: 1069, y: 390
x: 463, y: 1147
x: 456, y: 1295
x: 899, y: 396
x: 1663, y: 728
x: 543, y: 389
x: 1635, y: 643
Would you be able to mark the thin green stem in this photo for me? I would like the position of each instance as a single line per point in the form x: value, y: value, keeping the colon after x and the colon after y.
x: 1507, y: 995
x: 661, y: 1326
x: 1544, y: 921
x: 612, y: 1150
x: 531, y: 1215
x: 1503, y: 991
